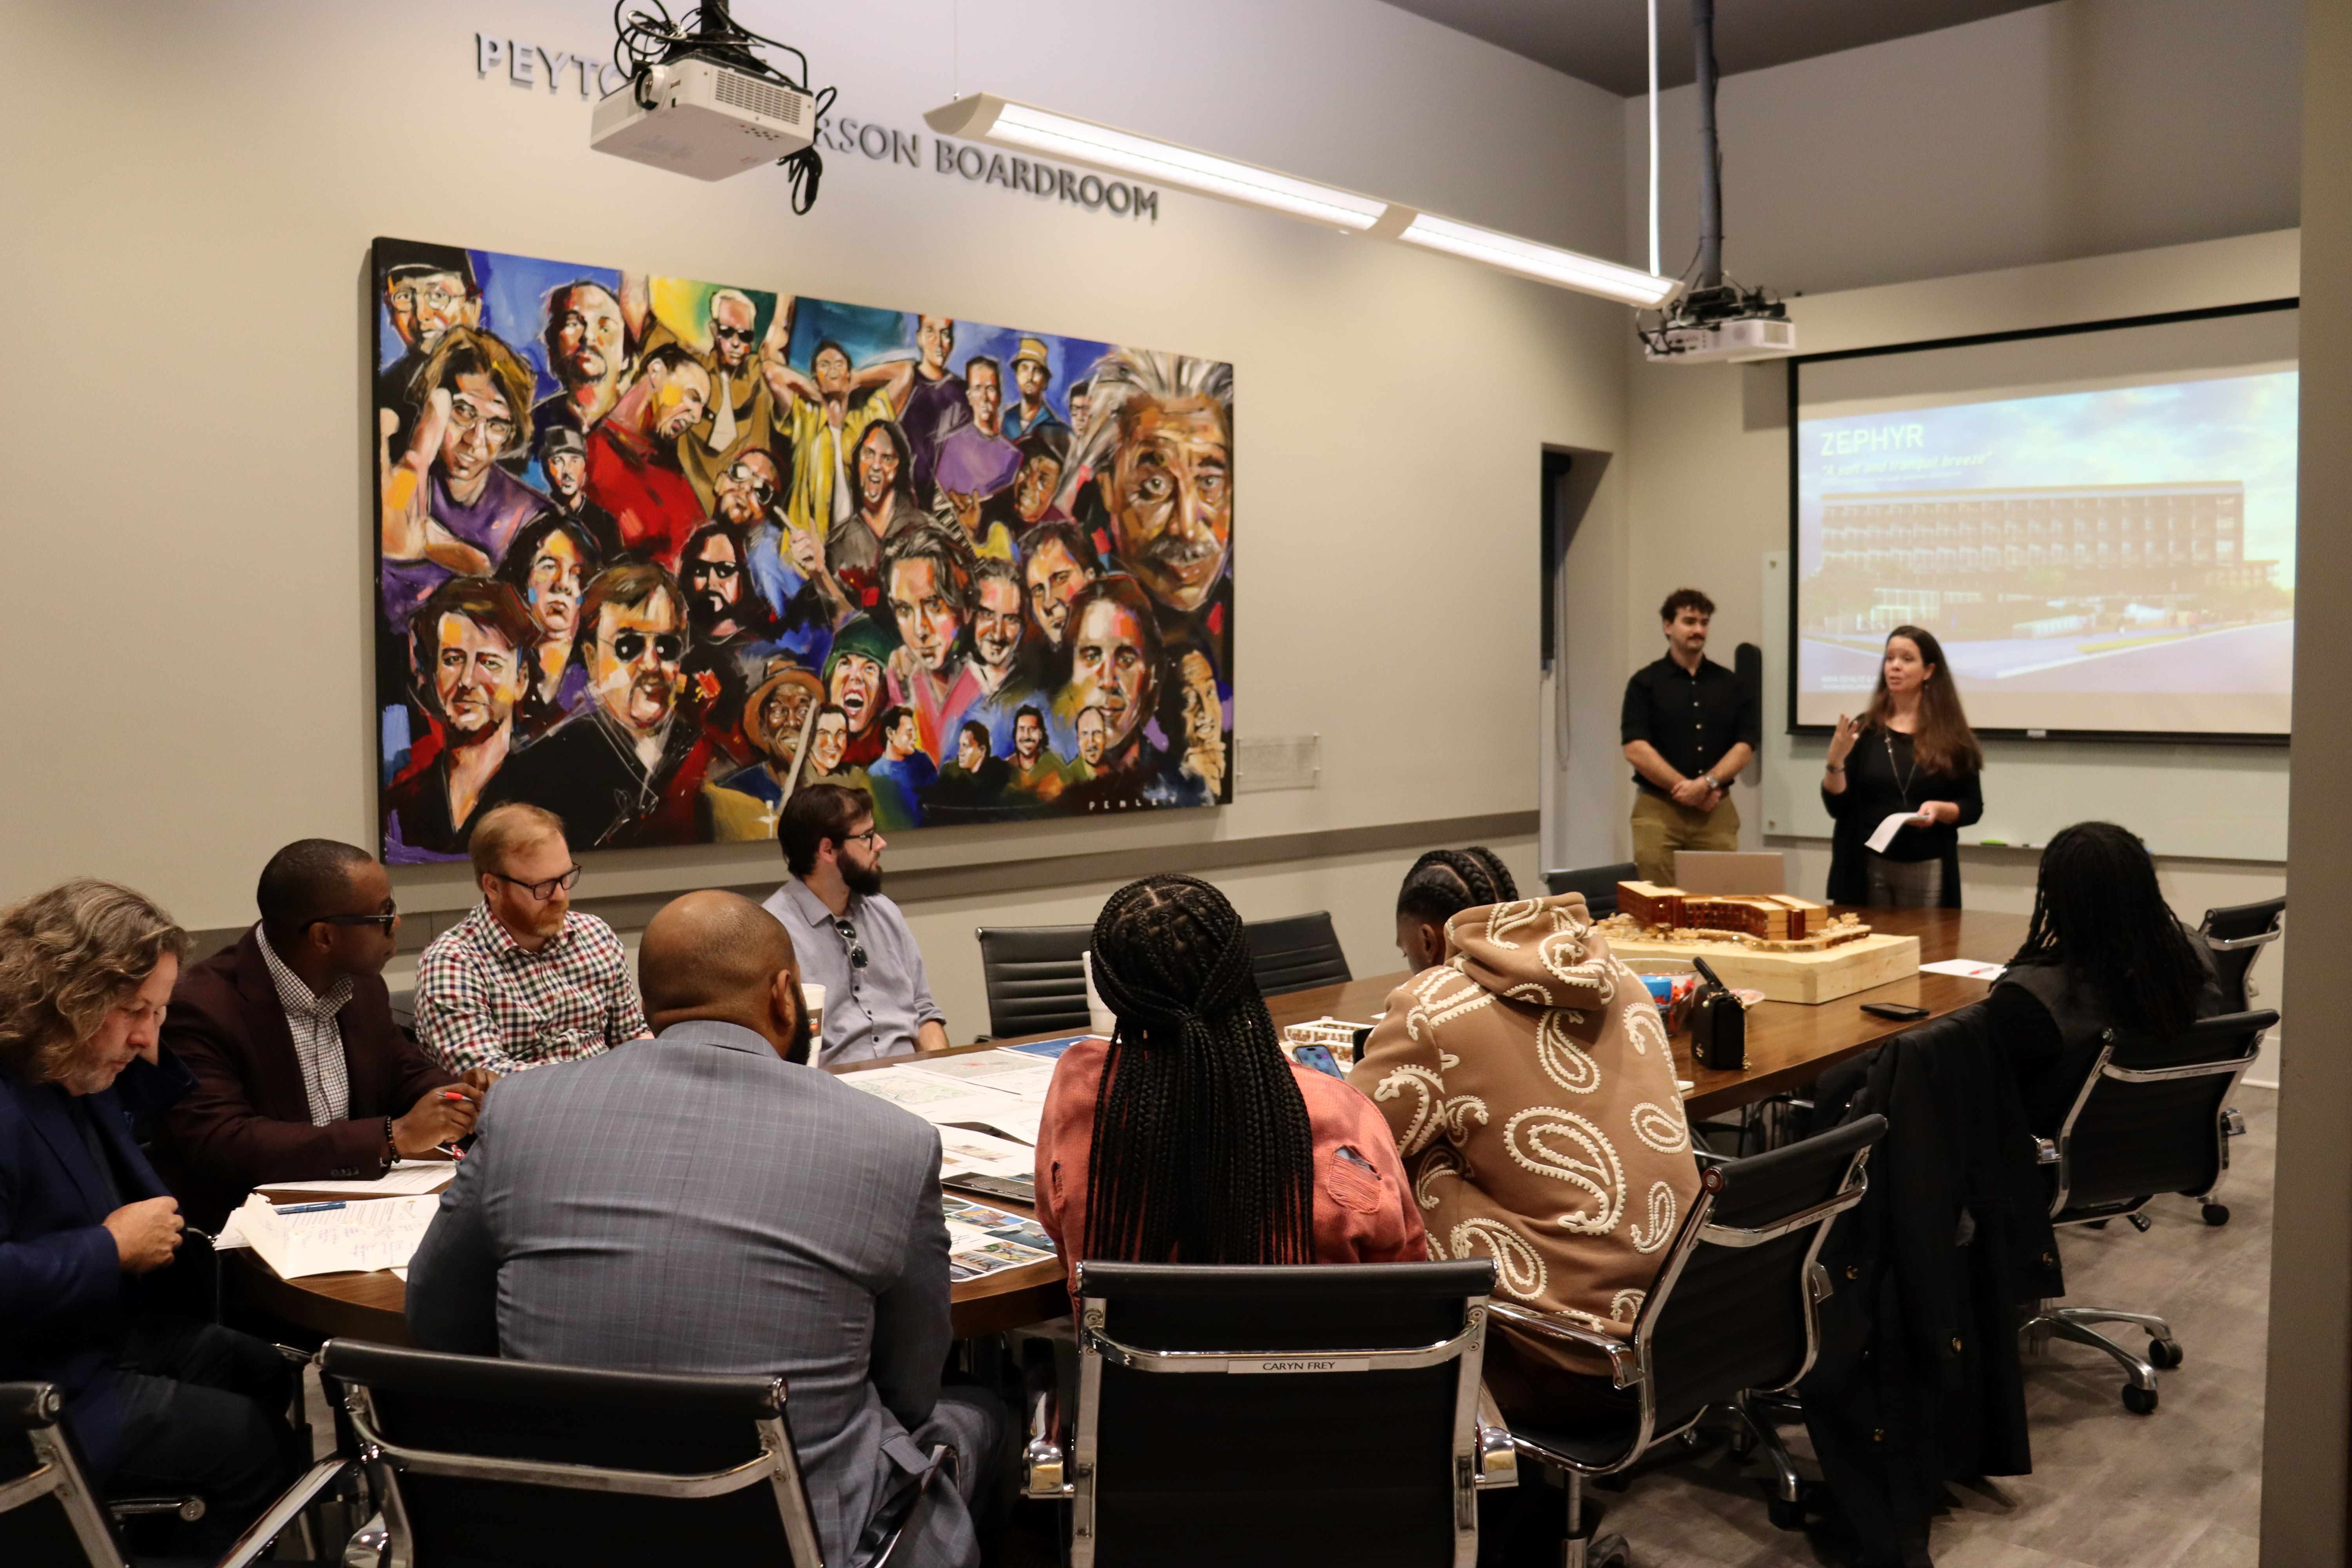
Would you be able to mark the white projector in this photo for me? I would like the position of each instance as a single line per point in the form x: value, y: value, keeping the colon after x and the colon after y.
x: 1736, y: 342
x: 706, y: 120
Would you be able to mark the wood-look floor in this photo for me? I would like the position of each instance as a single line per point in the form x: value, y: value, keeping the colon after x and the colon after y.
x: 2109, y: 1490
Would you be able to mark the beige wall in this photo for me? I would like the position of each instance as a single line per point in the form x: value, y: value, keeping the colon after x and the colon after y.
x: 2308, y: 1413
x: 2081, y: 128
x: 186, y: 475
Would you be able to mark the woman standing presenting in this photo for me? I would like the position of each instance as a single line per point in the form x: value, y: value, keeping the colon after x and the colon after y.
x: 1911, y: 753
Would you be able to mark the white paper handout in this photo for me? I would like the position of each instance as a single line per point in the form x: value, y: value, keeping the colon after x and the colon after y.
x: 335, y: 1238
x: 1966, y: 968
x: 1894, y: 823
x: 1009, y: 1071
x: 407, y: 1178
x: 929, y: 1096
x: 964, y: 1152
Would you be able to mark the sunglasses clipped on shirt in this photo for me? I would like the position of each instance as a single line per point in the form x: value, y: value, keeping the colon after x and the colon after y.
x: 849, y: 940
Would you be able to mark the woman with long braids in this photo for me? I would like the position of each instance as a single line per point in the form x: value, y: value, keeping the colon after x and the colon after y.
x: 2103, y: 952
x: 1187, y: 1136
x: 1910, y: 753
x: 1441, y: 885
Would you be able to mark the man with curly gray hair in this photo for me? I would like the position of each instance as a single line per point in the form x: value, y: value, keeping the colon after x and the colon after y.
x: 156, y: 1402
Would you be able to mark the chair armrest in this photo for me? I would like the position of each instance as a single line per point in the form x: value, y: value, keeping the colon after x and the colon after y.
x: 1710, y: 1157
x: 1043, y: 1473
x: 1624, y: 1361
x: 264, y: 1532
x: 2045, y: 1151
x: 1498, y: 1456
x: 190, y: 1509
x: 2233, y: 1124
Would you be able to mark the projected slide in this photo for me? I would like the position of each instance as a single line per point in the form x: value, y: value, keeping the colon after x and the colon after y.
x: 2096, y: 551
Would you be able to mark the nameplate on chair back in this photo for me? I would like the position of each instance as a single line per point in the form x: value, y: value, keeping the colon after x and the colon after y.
x: 1302, y: 1364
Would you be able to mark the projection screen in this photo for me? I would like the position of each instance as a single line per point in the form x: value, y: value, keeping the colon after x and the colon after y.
x: 2098, y: 524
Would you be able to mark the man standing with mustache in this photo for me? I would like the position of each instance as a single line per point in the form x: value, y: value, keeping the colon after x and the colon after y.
x: 470, y: 650
x: 633, y: 467
x: 625, y: 770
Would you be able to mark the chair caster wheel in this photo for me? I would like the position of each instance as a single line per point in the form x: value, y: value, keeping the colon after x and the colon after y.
x: 2139, y: 1401
x: 2163, y: 1355
x: 1784, y: 1514
x: 2217, y: 1214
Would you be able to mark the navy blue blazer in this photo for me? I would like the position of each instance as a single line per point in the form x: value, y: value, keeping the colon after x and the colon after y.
x: 62, y: 1290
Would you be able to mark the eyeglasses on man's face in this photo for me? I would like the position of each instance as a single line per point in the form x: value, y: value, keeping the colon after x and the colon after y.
x: 545, y: 890
x: 383, y: 920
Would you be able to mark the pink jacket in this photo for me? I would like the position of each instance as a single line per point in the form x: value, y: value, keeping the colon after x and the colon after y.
x: 1360, y: 1216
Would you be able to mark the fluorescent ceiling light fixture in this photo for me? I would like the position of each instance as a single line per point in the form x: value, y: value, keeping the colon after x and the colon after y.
x: 1544, y: 263
x: 985, y: 117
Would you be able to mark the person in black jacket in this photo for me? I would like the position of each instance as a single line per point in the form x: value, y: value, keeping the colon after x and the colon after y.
x: 2103, y: 952
x: 1910, y: 753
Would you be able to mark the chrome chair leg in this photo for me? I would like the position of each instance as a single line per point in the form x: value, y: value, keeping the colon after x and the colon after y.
x: 2074, y: 1324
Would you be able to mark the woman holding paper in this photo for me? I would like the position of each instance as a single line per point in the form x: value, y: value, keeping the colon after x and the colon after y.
x: 1900, y: 782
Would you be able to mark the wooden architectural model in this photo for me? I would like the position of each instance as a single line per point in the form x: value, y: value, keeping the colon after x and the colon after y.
x: 1773, y: 920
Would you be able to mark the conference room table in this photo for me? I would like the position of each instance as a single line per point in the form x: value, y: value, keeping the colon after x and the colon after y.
x: 1788, y: 1045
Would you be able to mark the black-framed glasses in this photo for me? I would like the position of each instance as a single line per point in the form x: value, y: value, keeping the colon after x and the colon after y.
x: 868, y: 836
x: 740, y: 334
x: 545, y: 890
x: 383, y: 922
x: 849, y: 938
x: 629, y: 646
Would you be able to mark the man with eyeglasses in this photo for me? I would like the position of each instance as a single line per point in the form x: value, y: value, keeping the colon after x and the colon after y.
x: 526, y: 979
x: 851, y: 940
x: 301, y: 1073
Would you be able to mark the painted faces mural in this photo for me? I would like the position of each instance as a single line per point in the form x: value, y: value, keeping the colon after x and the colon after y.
x: 655, y: 552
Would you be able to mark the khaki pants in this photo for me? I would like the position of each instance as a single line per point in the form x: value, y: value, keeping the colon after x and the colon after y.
x: 1661, y: 827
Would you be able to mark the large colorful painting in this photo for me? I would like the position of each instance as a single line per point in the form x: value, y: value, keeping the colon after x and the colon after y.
x: 652, y: 553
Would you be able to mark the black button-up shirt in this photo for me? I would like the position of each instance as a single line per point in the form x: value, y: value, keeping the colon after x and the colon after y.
x: 1692, y: 719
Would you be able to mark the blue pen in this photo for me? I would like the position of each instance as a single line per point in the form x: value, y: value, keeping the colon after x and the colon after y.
x: 309, y: 1208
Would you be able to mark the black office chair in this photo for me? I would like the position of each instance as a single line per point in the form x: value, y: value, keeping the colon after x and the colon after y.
x: 482, y: 1460
x: 1597, y: 883
x: 1296, y: 953
x: 2237, y: 933
x: 1035, y: 977
x: 2152, y: 1117
x: 1732, y: 1314
x: 1352, y: 1435
x: 50, y: 1515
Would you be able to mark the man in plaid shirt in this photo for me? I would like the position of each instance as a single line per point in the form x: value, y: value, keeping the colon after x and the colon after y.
x: 524, y: 981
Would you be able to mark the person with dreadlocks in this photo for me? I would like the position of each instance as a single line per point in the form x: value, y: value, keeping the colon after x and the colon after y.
x: 1441, y: 885
x: 1187, y: 1137
x: 1526, y: 1078
x: 2103, y: 952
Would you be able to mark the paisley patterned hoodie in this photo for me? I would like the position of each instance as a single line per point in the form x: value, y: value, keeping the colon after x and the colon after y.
x: 1532, y: 1095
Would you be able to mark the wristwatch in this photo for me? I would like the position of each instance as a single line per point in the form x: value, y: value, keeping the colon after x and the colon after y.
x: 1708, y: 780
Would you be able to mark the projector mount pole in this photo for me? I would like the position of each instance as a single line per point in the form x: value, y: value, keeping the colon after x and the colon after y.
x: 1710, y: 156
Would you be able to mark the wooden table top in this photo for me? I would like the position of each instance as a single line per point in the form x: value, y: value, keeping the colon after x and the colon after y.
x: 1789, y: 1044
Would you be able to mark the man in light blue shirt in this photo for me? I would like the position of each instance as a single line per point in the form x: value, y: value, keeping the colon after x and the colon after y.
x: 851, y: 940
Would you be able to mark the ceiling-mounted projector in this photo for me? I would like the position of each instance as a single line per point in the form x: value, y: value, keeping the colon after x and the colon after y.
x: 698, y: 116
x: 1721, y: 326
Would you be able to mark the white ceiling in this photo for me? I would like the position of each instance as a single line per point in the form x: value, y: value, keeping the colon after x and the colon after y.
x: 1606, y: 42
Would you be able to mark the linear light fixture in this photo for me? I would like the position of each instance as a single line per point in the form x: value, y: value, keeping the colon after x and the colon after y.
x: 985, y: 117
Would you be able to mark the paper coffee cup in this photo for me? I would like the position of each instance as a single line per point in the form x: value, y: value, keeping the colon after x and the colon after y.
x: 1101, y: 1020
x: 813, y: 998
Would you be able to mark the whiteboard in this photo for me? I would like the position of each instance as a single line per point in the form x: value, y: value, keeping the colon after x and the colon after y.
x: 2206, y: 802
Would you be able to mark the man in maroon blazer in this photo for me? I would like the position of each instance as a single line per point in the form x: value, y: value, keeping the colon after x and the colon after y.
x: 300, y: 1072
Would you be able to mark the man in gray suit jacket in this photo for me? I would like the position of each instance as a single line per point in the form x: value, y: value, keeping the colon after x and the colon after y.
x: 704, y: 1201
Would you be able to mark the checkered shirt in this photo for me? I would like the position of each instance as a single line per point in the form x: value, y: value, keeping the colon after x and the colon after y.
x: 318, y: 1037
x: 483, y: 1001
